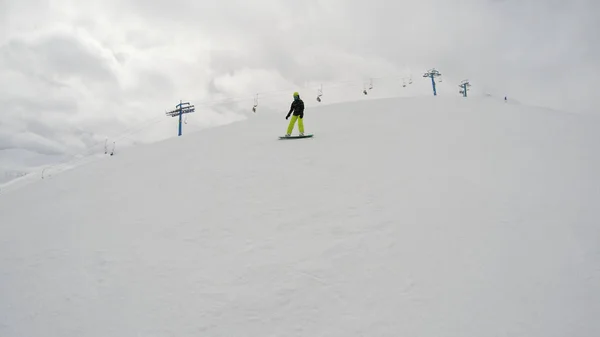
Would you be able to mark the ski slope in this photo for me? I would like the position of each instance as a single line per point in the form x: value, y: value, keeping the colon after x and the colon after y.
x: 427, y: 217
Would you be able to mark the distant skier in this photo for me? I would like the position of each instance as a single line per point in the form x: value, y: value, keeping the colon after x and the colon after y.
x: 298, y: 109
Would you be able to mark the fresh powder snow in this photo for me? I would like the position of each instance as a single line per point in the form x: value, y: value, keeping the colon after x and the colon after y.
x: 420, y: 217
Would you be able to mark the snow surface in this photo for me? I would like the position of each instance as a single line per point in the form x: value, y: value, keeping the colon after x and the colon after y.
x: 402, y: 217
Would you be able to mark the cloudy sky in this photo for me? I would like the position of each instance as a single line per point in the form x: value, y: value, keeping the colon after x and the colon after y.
x: 74, y: 73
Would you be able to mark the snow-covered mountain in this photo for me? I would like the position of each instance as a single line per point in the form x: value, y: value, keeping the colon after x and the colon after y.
x: 422, y: 216
x: 7, y: 175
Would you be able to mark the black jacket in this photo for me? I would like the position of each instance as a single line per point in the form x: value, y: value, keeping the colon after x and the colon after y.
x: 298, y: 108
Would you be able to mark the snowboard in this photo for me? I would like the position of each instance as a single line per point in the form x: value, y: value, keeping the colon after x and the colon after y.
x: 295, y: 137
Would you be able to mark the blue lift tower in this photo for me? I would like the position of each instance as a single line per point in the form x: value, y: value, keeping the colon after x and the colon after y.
x: 181, y: 109
x: 464, y: 87
x: 432, y: 73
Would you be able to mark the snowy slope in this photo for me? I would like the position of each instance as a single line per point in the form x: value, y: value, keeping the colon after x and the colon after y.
x: 211, y: 113
x: 401, y: 217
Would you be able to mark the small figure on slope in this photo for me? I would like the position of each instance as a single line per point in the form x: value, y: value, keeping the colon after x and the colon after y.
x: 298, y: 109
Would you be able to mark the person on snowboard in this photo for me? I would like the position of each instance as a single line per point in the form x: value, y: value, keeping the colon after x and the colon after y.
x: 298, y: 109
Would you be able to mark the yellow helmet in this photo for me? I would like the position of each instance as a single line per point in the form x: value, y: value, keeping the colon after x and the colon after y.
x: 296, y: 94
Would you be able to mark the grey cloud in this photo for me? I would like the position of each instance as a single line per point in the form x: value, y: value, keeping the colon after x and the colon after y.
x: 56, y: 58
x: 27, y: 105
x: 496, y: 43
x: 31, y: 142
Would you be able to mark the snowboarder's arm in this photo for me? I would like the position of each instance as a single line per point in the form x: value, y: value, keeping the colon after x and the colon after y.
x: 291, y: 110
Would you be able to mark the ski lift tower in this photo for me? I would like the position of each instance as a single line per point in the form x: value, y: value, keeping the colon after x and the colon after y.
x: 181, y: 109
x: 432, y: 73
x: 464, y: 85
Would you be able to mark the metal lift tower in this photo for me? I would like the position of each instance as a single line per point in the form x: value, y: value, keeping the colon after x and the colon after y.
x: 432, y: 73
x: 464, y: 86
x: 181, y: 109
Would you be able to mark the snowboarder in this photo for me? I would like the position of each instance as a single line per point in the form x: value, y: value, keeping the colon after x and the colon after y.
x: 298, y: 109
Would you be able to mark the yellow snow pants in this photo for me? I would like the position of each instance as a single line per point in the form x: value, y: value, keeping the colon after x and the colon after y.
x: 293, y: 122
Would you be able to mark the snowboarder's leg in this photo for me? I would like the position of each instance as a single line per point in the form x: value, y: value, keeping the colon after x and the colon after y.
x: 291, y: 126
x: 301, y: 125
